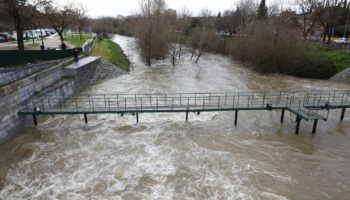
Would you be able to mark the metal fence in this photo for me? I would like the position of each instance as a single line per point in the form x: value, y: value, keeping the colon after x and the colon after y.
x: 15, y: 58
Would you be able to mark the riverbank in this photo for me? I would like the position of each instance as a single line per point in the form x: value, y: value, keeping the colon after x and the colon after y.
x: 111, y: 52
x: 290, y: 57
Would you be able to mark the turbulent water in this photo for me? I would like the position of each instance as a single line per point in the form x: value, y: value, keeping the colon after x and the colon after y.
x: 164, y: 157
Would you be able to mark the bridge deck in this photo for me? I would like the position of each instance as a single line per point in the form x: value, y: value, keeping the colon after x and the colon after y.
x: 305, y: 105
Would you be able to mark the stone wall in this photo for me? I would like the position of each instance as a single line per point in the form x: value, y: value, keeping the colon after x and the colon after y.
x: 47, y: 82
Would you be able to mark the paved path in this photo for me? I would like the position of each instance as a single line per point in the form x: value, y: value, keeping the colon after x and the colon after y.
x: 343, y: 76
x: 52, y: 42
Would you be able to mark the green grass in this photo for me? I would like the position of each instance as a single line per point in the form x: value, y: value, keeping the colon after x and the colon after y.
x: 112, y: 53
x: 75, y: 40
x: 340, y: 58
x: 32, y: 45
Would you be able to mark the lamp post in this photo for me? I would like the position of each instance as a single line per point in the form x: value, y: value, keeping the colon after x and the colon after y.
x: 347, y: 23
x: 42, y: 47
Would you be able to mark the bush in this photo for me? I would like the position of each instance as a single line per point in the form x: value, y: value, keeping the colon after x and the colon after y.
x: 281, y: 52
x: 313, y: 66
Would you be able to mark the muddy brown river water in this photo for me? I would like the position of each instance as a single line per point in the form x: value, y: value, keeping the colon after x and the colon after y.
x: 163, y: 157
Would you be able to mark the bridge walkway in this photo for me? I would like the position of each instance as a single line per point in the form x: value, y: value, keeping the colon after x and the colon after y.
x: 306, y: 106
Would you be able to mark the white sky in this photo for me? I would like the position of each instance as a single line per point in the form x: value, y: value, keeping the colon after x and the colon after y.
x: 98, y: 8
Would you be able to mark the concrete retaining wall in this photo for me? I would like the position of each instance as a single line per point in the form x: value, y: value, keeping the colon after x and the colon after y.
x: 47, y: 82
x: 82, y: 71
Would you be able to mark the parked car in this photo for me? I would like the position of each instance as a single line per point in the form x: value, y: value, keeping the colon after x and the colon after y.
x: 6, y: 36
x: 341, y: 41
x: 30, y: 35
x: 14, y: 37
x: 2, y: 40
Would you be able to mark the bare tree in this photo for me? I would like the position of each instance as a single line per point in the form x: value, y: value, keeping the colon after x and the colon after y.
x: 60, y: 18
x: 19, y: 11
x: 203, y: 35
x: 184, y: 28
x: 151, y: 32
x: 308, y: 9
x: 81, y: 19
x: 245, y: 13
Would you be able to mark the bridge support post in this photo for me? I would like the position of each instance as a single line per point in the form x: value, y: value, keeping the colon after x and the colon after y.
x: 137, y: 117
x: 236, y: 117
x: 298, y: 125
x: 85, y: 118
x: 186, y: 116
x: 282, y: 116
x: 315, y: 127
x: 35, y: 120
x: 342, y: 114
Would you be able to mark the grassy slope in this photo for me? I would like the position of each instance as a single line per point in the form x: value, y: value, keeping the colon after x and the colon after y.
x: 340, y: 58
x: 75, y: 40
x: 111, y: 52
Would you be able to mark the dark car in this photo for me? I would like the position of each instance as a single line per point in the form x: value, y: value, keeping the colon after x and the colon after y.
x: 7, y: 36
x: 2, y: 40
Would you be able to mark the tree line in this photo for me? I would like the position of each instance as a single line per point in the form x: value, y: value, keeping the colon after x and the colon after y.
x: 271, y: 38
x: 21, y: 15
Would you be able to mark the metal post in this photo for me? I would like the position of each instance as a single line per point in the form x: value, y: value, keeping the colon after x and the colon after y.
x: 141, y: 104
x: 35, y: 118
x: 282, y: 115
x: 195, y: 99
x: 236, y: 117
x: 219, y: 103
x: 76, y: 104
x: 315, y: 126
x: 298, y: 125
x: 93, y: 106
x: 85, y: 117
x: 187, y: 116
x: 137, y: 117
x: 342, y: 114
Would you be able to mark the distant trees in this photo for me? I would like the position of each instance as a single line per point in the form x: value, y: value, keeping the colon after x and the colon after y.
x: 332, y: 14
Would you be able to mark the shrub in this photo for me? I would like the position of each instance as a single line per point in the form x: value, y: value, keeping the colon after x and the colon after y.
x: 313, y: 66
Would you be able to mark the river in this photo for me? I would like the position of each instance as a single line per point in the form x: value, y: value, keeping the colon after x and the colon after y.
x: 164, y: 157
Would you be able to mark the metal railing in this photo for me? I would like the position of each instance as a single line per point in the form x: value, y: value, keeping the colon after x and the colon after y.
x: 308, y: 105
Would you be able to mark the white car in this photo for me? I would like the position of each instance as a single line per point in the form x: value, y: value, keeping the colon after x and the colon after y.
x: 341, y: 41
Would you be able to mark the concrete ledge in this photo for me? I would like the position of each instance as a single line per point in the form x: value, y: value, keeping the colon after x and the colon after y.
x: 82, y: 71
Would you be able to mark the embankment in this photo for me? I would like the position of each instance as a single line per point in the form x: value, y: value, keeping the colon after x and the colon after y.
x: 65, y: 78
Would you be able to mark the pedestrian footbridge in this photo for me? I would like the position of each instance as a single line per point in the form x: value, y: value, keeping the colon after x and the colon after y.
x: 305, y: 105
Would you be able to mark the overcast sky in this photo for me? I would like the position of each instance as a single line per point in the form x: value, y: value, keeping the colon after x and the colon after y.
x: 98, y: 8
